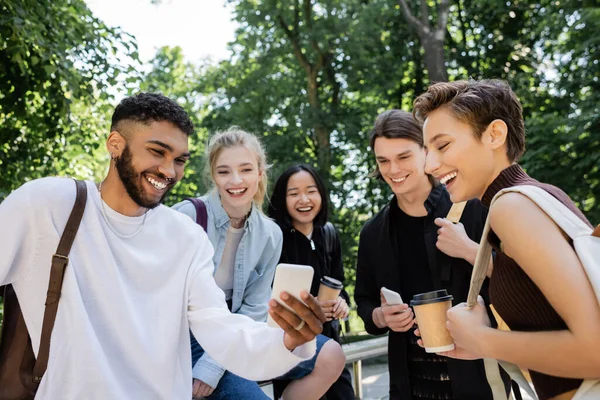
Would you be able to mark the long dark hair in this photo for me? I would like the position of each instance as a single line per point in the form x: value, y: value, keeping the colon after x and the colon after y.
x: 278, y: 207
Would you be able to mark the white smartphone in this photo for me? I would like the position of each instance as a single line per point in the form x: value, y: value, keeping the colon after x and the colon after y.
x: 392, y: 298
x: 291, y: 278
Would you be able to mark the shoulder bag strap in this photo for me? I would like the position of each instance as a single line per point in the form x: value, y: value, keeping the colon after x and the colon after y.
x: 201, y: 213
x: 59, y: 262
x: 562, y: 216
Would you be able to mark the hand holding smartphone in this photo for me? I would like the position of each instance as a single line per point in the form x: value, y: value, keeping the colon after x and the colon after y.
x: 392, y: 298
x: 291, y: 278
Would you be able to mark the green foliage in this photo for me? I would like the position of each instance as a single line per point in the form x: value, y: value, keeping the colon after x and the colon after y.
x: 309, y: 78
x: 56, y: 59
x: 375, y: 62
x: 564, y: 127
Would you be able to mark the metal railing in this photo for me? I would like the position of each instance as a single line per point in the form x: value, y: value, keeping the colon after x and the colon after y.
x: 357, y: 352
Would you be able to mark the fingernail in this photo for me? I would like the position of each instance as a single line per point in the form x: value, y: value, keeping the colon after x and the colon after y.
x: 285, y: 296
x: 304, y: 295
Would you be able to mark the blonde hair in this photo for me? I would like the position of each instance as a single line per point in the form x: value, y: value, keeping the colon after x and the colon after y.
x: 233, y: 137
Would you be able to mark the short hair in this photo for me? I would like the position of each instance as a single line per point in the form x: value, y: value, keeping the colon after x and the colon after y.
x: 395, y: 124
x: 478, y: 103
x: 278, y: 206
x: 152, y: 107
x: 233, y: 137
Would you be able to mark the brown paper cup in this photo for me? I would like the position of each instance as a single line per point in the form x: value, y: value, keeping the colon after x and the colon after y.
x: 329, y: 289
x: 430, y: 310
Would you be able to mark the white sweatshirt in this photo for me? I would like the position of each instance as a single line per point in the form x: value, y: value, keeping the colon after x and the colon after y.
x: 121, y: 331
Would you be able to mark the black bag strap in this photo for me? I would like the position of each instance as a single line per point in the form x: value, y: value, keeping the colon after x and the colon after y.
x: 59, y: 262
x: 330, y: 233
x: 201, y: 212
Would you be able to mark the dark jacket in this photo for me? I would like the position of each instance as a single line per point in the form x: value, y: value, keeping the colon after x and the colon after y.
x: 378, y: 266
x: 297, y: 249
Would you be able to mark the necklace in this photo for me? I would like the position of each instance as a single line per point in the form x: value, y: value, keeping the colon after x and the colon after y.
x: 239, y: 221
x: 113, y: 230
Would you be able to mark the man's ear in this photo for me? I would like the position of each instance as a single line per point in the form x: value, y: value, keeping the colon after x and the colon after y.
x: 495, y: 134
x: 115, y: 144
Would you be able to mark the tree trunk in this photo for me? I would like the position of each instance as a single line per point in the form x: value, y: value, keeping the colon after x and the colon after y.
x: 432, y: 36
x: 321, y: 131
x: 419, y: 75
x: 321, y: 63
x: 435, y: 59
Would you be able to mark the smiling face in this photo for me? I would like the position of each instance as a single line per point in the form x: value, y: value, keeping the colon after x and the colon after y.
x: 401, y: 163
x: 458, y: 159
x: 303, y: 200
x: 236, y: 176
x: 152, y: 159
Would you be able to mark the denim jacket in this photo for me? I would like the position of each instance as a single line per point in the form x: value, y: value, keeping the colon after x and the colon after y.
x: 255, y: 260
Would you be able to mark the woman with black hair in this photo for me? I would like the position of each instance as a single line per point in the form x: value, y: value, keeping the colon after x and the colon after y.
x: 299, y: 205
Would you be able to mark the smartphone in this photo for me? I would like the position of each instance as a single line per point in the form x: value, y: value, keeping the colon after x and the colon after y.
x: 291, y: 278
x: 392, y: 298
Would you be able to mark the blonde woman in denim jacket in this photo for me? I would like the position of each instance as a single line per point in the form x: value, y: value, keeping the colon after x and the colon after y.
x: 247, y: 249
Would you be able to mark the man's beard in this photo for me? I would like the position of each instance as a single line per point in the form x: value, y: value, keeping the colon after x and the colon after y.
x: 132, y: 180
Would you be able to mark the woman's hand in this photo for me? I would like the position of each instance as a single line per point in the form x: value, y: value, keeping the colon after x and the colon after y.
x: 466, y: 326
x: 327, y: 307
x: 340, y: 309
x: 458, y: 353
x: 201, y: 389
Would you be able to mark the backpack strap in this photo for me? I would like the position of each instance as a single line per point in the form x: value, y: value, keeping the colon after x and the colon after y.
x: 329, y: 232
x: 57, y: 272
x: 201, y: 212
x: 329, y: 235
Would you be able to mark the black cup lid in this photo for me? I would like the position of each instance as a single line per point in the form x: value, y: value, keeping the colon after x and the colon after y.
x: 331, y: 282
x: 436, y: 296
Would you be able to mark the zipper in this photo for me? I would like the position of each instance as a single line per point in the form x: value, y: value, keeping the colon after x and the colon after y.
x: 312, y: 244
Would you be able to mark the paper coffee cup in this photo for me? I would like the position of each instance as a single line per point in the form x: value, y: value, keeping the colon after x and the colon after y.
x: 430, y: 310
x: 329, y: 289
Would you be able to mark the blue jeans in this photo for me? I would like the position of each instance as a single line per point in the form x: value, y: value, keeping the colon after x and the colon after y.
x: 234, y: 387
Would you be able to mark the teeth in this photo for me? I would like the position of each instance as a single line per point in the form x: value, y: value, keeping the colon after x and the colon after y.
x: 446, y: 178
x: 305, y: 209
x: 398, y: 180
x: 236, y: 191
x: 156, y: 184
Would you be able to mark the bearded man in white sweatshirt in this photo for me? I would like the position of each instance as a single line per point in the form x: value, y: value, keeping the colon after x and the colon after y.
x: 137, y: 279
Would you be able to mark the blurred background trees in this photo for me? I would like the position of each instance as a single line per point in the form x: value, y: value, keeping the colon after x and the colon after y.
x: 309, y: 77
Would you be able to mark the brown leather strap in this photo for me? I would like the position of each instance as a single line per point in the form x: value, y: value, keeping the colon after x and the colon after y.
x: 59, y: 262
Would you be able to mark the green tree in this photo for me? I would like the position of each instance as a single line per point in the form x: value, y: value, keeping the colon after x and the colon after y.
x: 564, y: 129
x: 55, y: 58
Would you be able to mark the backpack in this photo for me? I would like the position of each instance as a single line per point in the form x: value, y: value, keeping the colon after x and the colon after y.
x: 586, y: 243
x: 20, y: 372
